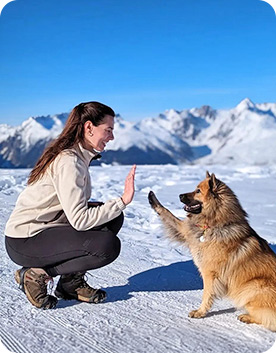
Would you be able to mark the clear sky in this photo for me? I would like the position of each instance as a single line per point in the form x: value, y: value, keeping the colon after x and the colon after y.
x: 141, y: 57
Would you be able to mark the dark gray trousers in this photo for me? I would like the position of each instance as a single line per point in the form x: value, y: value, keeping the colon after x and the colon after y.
x: 64, y: 250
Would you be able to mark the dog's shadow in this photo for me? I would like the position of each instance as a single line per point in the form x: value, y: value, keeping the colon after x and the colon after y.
x: 180, y: 276
x: 273, y: 247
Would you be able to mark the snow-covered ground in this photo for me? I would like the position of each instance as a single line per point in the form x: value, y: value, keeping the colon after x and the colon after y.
x: 153, y: 284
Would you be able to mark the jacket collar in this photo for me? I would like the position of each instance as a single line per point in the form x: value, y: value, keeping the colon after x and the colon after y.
x: 87, y: 155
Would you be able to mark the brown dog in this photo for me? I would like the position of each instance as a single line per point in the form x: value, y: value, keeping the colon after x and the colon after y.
x: 232, y: 259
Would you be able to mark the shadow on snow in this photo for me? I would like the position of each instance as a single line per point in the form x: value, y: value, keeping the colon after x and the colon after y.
x: 180, y: 276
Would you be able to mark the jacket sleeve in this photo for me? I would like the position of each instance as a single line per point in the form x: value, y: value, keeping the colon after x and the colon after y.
x: 70, y: 181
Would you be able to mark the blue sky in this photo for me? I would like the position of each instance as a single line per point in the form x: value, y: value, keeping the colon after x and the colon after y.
x: 141, y: 57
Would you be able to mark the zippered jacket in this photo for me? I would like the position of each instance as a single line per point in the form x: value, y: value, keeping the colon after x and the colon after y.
x: 61, y: 197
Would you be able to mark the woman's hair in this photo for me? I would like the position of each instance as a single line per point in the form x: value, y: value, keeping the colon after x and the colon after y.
x: 73, y: 133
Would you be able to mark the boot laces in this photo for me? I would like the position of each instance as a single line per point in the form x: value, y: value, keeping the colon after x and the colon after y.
x: 83, y: 282
x: 44, y: 281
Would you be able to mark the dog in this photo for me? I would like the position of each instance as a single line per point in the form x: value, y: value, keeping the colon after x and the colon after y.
x: 233, y: 260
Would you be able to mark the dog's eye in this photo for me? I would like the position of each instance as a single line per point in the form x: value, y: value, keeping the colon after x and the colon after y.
x: 198, y: 190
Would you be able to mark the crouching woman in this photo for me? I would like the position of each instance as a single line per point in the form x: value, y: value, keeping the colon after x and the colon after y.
x: 54, y: 229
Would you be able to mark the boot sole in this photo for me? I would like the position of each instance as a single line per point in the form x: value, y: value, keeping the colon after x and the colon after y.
x: 50, y: 302
x: 97, y: 298
x: 17, y: 277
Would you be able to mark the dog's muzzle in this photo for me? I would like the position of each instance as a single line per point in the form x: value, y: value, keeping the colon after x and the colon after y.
x: 191, y: 205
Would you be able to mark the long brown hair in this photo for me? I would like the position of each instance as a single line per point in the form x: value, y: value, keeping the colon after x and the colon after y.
x: 72, y: 134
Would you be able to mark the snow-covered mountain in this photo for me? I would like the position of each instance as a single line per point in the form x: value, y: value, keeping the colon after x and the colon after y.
x: 22, y: 145
x: 243, y: 134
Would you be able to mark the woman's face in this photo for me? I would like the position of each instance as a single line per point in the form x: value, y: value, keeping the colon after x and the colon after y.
x: 97, y: 137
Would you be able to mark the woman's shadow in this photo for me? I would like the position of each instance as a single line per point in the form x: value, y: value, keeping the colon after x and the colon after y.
x: 180, y: 276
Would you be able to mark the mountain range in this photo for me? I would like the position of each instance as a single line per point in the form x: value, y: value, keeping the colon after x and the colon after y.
x: 245, y: 134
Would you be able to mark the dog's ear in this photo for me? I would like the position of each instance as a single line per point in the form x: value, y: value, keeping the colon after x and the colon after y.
x: 213, y: 183
x: 207, y: 174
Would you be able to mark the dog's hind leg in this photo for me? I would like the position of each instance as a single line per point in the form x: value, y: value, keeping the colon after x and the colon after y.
x: 260, y: 316
x: 247, y: 318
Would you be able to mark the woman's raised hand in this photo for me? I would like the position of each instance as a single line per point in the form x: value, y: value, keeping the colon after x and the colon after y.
x: 129, y: 186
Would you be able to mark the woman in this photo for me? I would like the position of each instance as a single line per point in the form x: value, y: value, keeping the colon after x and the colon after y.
x: 54, y: 229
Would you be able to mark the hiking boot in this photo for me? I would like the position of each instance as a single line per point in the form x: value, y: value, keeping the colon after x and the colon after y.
x: 33, y: 282
x: 73, y: 286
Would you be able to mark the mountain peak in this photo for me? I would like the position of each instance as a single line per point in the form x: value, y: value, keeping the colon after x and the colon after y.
x: 171, y: 113
x: 245, y: 104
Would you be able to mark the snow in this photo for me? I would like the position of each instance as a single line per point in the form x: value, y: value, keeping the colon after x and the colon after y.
x: 245, y: 104
x: 152, y: 285
x: 6, y: 131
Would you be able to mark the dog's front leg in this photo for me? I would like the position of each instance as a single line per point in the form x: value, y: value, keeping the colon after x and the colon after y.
x: 207, y: 299
x: 173, y: 225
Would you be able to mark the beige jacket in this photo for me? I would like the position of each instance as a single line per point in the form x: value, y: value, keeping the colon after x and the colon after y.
x: 61, y: 197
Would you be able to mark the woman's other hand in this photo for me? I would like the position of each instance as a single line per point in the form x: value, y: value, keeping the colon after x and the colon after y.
x: 129, y: 186
x: 94, y: 204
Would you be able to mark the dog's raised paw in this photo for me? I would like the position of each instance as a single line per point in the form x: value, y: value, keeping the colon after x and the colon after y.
x: 154, y: 202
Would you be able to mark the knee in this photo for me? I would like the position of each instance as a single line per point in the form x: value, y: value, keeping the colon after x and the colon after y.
x: 121, y: 219
x: 116, y: 224
x: 110, y: 248
x: 114, y: 248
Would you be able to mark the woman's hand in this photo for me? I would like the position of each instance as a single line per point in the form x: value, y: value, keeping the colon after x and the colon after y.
x: 129, y: 186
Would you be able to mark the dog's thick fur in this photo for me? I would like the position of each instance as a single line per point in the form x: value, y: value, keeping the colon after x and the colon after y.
x: 232, y: 259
